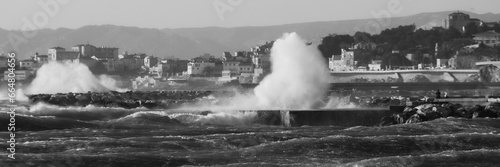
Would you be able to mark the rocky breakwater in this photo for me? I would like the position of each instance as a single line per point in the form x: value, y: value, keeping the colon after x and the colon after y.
x: 428, y: 112
x: 127, y: 100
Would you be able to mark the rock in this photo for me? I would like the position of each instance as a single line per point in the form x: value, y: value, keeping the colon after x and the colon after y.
x: 205, y: 113
x: 491, y: 111
x: 399, y: 119
x: 56, y: 99
x: 443, y: 111
x: 408, y: 112
x: 468, y: 111
x: 426, y: 106
x: 430, y: 113
x: 415, y: 118
x: 453, y: 108
x: 388, y: 120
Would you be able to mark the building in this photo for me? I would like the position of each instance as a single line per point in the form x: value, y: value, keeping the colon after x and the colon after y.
x: 204, y: 58
x: 3, y: 62
x: 199, y: 68
x: 89, y: 62
x: 60, y: 54
x: 173, y: 67
x: 150, y: 61
x: 100, y: 53
x: 442, y: 63
x: 262, y: 61
x: 41, y: 59
x: 28, y: 64
x: 226, y: 56
x: 376, y: 65
x: 20, y: 75
x: 343, y: 62
x: 489, y: 38
x: 125, y: 64
x: 245, y: 68
x: 365, y: 45
x: 459, y: 21
x: 490, y: 24
x: 157, y: 71
x: 232, y: 66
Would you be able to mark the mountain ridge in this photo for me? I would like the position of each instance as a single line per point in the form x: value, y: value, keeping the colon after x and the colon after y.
x: 191, y: 42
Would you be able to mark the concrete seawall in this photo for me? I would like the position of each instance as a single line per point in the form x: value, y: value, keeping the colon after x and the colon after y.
x: 405, y: 75
x: 336, y: 117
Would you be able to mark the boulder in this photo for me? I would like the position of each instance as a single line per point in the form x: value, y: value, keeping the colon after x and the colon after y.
x: 468, y: 111
x: 408, y: 112
x: 415, y: 118
x: 388, y: 120
x: 399, y: 119
x: 443, y: 111
x: 491, y: 111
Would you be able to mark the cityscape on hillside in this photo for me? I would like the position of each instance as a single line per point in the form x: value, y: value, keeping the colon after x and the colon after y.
x: 463, y: 44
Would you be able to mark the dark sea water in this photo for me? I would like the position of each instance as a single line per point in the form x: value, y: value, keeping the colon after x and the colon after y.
x: 92, y: 136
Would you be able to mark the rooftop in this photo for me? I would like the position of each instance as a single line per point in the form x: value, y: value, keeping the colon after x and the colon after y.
x: 487, y: 34
x: 337, y: 57
x: 458, y: 13
x: 58, y: 48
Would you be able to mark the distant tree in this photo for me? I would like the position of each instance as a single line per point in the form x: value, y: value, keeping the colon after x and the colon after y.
x: 483, y: 28
x: 333, y: 45
x: 450, y: 34
x: 395, y: 60
x: 496, y: 28
x: 364, y: 57
x: 471, y: 29
x: 395, y: 35
x: 362, y: 37
x: 466, y: 61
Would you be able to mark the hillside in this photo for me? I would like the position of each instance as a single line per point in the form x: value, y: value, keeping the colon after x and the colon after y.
x: 191, y: 42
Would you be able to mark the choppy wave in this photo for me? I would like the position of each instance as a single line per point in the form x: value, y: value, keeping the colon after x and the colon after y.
x: 157, y: 138
x: 46, y: 116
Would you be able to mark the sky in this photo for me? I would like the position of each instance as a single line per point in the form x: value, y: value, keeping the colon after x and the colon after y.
x: 19, y: 14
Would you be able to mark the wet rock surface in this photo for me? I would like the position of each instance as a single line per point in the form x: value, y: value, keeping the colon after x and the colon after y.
x: 428, y: 112
x: 127, y: 100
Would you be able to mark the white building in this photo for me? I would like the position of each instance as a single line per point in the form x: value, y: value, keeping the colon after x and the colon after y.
x: 343, y: 62
x: 490, y: 38
x: 365, y: 45
x: 441, y: 63
x: 60, y: 54
x: 376, y: 65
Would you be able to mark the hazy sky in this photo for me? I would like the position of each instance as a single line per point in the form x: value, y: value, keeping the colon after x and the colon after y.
x: 203, y: 13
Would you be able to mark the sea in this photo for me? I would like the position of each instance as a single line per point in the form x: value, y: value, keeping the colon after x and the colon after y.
x: 56, y: 136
